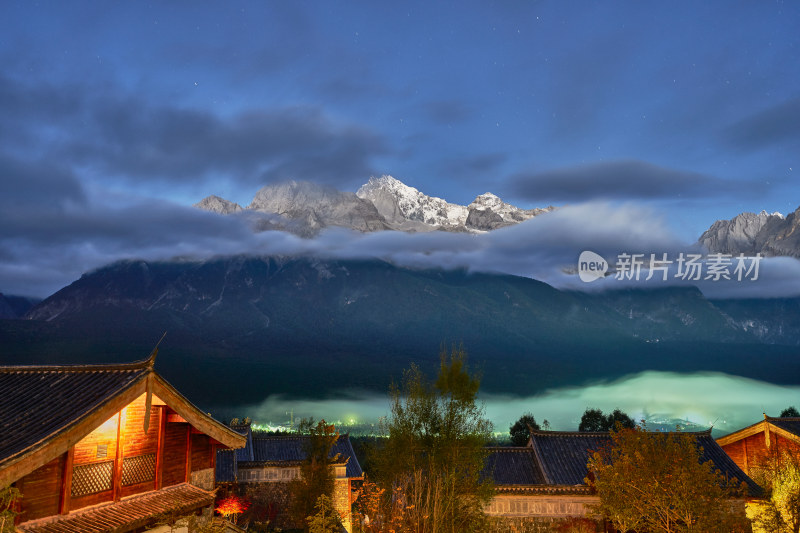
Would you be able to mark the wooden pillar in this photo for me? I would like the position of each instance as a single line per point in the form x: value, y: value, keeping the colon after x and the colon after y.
x: 19, y: 485
x: 117, y: 475
x: 746, y: 464
x: 66, y: 481
x: 188, y: 453
x: 162, y: 434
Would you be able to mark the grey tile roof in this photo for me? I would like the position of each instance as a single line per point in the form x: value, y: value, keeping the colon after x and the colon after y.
x: 791, y: 425
x: 41, y: 401
x: 225, y: 468
x: 562, y: 456
x: 512, y: 465
x: 264, y: 448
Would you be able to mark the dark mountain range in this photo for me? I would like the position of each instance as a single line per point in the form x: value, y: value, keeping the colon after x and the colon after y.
x: 242, y: 328
x: 15, y: 306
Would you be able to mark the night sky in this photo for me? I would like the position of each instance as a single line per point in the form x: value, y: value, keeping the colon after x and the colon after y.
x: 649, y: 119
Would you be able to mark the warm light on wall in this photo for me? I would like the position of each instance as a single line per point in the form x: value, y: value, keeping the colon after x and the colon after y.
x: 107, y: 430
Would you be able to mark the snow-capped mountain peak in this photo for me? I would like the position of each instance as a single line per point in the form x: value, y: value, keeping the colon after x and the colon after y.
x: 382, y: 203
x: 392, y: 197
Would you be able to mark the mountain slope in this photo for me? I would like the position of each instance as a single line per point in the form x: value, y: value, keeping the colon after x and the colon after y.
x: 265, y: 325
x: 750, y: 233
x: 15, y: 306
x: 318, y: 206
x: 215, y: 204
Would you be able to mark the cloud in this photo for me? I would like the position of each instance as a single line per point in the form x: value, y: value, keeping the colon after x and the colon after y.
x: 26, y: 186
x: 51, y: 242
x: 132, y: 139
x: 96, y: 233
x: 622, y: 180
x: 767, y: 277
x: 775, y: 125
x: 171, y: 144
x: 701, y: 399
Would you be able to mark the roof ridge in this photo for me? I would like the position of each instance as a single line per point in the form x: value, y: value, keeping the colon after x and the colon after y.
x: 572, y: 433
x: 542, y: 433
x: 142, y: 364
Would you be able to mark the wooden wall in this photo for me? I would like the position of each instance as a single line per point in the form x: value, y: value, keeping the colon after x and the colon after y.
x: 752, y: 455
x: 86, y: 451
x: 40, y: 490
x: 201, y: 452
x: 137, y: 442
x: 175, y: 440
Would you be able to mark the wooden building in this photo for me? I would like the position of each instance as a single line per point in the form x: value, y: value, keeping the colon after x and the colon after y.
x: 268, y: 462
x: 754, y: 447
x: 543, y: 482
x: 99, y: 448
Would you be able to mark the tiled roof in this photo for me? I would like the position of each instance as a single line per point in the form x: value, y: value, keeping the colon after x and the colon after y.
x: 263, y: 448
x: 563, y: 456
x: 225, y: 466
x: 40, y: 401
x: 128, y: 514
x: 723, y: 462
x: 790, y: 425
x: 512, y: 466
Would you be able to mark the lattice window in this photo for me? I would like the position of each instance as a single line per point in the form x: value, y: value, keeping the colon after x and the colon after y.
x: 138, y: 469
x: 91, y: 478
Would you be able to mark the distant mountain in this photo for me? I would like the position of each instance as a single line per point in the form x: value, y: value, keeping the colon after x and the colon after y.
x: 318, y: 206
x: 383, y: 203
x: 264, y: 325
x: 215, y: 204
x: 488, y: 212
x: 399, y: 203
x: 751, y: 233
x: 15, y: 306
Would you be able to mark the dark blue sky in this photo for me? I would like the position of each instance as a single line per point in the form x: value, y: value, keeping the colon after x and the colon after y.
x: 113, y: 115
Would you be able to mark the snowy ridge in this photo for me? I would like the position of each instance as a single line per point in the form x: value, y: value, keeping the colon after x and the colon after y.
x: 382, y: 203
x: 769, y: 234
x: 413, y: 204
x: 509, y: 213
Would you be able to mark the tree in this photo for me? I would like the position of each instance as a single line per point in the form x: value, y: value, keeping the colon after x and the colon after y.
x: 326, y: 519
x: 367, y: 507
x: 790, y: 411
x: 316, y: 475
x: 8, y: 499
x: 592, y: 420
x: 657, y: 482
x: 779, y: 512
x: 431, y: 462
x: 231, y: 507
x: 595, y: 420
x: 520, y: 431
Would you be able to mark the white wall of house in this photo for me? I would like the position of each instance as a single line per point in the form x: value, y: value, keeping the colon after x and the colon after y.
x: 536, y: 505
